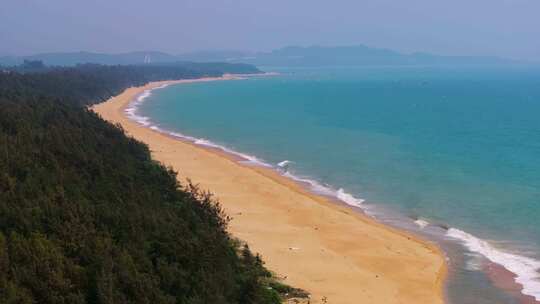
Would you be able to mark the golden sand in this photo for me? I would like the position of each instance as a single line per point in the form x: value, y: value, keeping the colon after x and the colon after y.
x: 328, y: 249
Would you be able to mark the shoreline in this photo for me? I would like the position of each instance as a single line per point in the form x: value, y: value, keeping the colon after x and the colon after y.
x: 331, y: 250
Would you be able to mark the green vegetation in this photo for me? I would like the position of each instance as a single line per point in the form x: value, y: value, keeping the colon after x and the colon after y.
x: 91, y: 83
x: 86, y: 216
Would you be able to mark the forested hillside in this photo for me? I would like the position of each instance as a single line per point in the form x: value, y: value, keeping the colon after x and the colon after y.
x: 91, y: 83
x: 86, y: 216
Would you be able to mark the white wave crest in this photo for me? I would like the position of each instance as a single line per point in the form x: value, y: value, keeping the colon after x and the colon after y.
x: 284, y: 163
x: 131, y: 110
x: 421, y: 223
x: 327, y: 190
x: 247, y: 158
x: 526, y: 269
x: 348, y: 198
x: 313, y: 185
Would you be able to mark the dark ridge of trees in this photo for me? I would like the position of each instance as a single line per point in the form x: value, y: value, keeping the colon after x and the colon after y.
x: 91, y: 83
x: 86, y: 215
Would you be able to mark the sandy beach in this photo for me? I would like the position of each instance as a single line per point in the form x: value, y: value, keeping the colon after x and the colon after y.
x: 328, y: 249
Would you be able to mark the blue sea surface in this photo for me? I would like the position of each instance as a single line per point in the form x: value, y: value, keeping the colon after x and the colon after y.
x: 456, y: 147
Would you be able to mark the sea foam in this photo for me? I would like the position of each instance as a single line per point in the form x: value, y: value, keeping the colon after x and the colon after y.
x: 131, y: 110
x: 284, y: 163
x: 526, y: 269
x: 421, y: 223
x: 327, y: 190
x: 348, y: 198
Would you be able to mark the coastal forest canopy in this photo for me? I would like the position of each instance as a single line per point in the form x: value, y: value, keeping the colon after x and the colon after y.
x: 86, y: 216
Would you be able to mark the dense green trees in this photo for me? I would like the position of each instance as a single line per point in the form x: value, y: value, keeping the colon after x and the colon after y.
x: 86, y: 216
x: 91, y: 83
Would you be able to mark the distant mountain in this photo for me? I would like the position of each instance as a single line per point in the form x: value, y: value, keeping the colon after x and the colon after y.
x: 361, y: 56
x: 223, y: 56
x: 358, y: 55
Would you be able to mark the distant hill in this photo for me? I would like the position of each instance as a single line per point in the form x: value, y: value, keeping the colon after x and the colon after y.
x: 361, y: 56
x: 223, y: 56
x: 358, y: 55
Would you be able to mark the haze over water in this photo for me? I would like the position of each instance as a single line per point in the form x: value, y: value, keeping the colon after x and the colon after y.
x: 456, y: 147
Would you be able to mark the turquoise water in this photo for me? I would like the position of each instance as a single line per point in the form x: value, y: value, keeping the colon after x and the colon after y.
x: 455, y: 147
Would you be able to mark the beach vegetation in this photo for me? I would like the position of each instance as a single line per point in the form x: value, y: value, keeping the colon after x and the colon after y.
x: 87, y: 216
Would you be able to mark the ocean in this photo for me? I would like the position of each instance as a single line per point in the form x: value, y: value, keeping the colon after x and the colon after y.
x: 452, y: 154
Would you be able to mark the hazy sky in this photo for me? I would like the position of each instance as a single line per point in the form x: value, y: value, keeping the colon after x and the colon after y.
x: 509, y: 28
